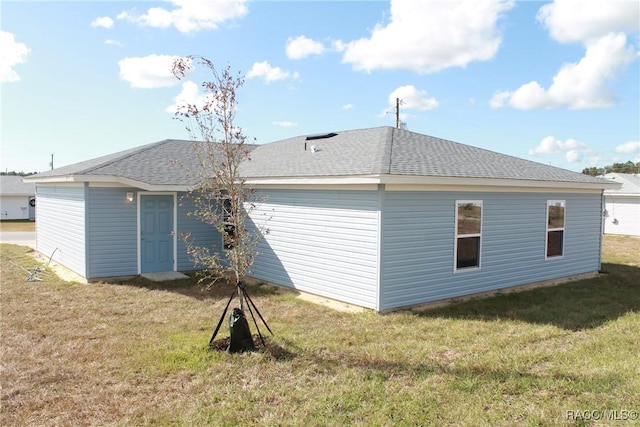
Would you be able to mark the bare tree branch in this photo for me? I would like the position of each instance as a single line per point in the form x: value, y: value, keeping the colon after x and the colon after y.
x: 222, y: 198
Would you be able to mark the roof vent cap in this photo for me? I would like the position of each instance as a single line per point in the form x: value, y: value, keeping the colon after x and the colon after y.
x: 320, y: 136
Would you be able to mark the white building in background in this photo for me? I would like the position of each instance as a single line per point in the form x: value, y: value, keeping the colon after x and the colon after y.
x: 17, y: 198
x: 622, y: 206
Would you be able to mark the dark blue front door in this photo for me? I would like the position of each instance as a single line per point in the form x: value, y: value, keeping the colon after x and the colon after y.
x: 156, y: 239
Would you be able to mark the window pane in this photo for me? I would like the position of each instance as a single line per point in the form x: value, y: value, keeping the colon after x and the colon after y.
x: 469, y: 215
x: 554, y: 243
x: 556, y: 215
x: 468, y: 252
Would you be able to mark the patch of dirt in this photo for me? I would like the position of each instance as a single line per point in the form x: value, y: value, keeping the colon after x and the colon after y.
x: 272, y: 349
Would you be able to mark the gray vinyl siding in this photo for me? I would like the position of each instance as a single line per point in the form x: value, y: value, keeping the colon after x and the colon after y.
x: 321, y: 242
x: 419, y: 233
x: 201, y: 234
x: 60, y: 228
x: 112, y: 233
x: 113, y: 237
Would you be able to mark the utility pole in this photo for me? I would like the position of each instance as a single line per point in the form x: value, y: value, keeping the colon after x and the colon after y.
x: 51, y: 164
x: 397, y: 113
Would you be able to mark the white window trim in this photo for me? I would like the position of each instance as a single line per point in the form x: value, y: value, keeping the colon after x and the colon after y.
x: 546, y: 234
x: 457, y: 236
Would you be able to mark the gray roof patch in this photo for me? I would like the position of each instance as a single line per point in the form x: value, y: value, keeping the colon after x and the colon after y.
x: 12, y: 185
x: 390, y: 151
x: 630, y: 183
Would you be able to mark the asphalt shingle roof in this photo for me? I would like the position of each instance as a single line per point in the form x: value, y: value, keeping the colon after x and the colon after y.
x: 386, y: 150
x: 630, y: 183
x: 354, y: 152
x: 160, y: 163
x: 415, y: 154
x: 365, y: 152
x: 12, y: 185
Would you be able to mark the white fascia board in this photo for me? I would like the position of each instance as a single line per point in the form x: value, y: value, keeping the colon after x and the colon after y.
x: 489, y: 182
x: 61, y: 179
x: 413, y: 183
x: 60, y: 184
x: 393, y: 182
x: 313, y: 180
x: 151, y: 187
x: 166, y: 188
x: 629, y: 195
x: 53, y: 180
x: 108, y: 181
x: 108, y: 185
x: 341, y: 187
x: 489, y: 189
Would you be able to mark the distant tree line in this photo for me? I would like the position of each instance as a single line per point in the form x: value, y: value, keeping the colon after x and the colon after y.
x: 628, y: 167
x: 14, y: 173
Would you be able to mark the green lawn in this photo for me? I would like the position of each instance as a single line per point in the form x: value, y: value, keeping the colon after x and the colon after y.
x: 135, y: 353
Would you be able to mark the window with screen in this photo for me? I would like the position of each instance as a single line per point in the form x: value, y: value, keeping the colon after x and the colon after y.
x: 555, y: 228
x: 468, y: 234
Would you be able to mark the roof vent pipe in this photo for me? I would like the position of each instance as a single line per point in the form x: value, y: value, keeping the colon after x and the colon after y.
x: 317, y: 136
x: 320, y: 136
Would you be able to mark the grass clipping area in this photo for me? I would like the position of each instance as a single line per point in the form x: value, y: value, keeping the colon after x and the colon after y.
x: 136, y: 353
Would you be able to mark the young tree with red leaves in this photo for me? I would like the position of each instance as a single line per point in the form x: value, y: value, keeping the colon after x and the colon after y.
x: 222, y: 197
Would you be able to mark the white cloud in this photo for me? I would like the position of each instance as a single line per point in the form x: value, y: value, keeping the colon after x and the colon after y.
x: 148, y: 72
x: 11, y: 53
x: 347, y: 107
x: 412, y: 98
x: 428, y: 36
x: 155, y: 17
x: 499, y: 98
x: 111, y: 42
x: 595, y: 160
x: 189, y: 95
x: 573, y: 156
x: 581, y: 20
x: 550, y: 145
x: 270, y: 74
x: 285, y: 124
x: 301, y: 47
x: 103, y: 21
x: 574, y: 150
x: 631, y: 147
x: 577, y: 85
x: 601, y: 27
x: 189, y: 15
x: 339, y: 45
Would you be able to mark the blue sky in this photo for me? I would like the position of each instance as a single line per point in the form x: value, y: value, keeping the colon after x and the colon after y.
x: 555, y: 82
